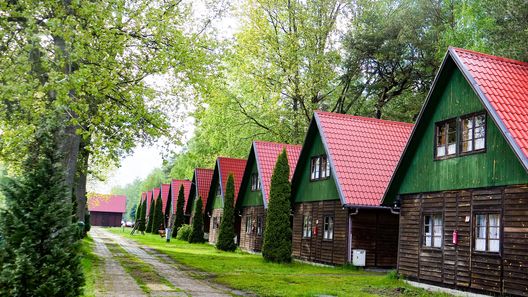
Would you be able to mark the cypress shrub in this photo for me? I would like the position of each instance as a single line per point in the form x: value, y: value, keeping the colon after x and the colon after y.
x: 226, y: 236
x: 179, y: 219
x: 142, y: 226
x: 137, y: 215
x: 168, y: 211
x: 277, y: 246
x: 39, y: 251
x: 197, y: 234
x: 157, y: 220
x: 150, y: 220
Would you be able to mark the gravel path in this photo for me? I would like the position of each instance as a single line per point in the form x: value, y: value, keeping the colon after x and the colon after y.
x: 170, y: 271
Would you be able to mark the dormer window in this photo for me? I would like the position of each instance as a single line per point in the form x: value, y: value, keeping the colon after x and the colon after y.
x: 255, y: 182
x: 319, y: 168
x: 460, y: 136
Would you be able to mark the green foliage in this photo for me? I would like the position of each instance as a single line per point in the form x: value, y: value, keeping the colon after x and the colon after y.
x: 87, y: 225
x: 184, y: 232
x: 197, y: 234
x: 40, y: 249
x: 277, y: 246
x: 180, y: 216
x: 226, y: 236
x: 142, y: 226
x: 168, y: 211
x: 150, y: 219
x: 157, y: 220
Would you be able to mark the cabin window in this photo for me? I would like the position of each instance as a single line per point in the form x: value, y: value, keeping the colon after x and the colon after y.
x: 248, y: 224
x: 433, y: 230
x: 473, y: 133
x: 259, y: 226
x: 218, y: 190
x: 255, y: 182
x: 328, y: 228
x: 319, y: 168
x: 446, y: 138
x: 487, y: 232
x: 307, y: 226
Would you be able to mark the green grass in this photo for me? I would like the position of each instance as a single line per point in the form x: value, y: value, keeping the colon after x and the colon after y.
x: 91, y: 265
x: 144, y: 274
x: 251, y: 273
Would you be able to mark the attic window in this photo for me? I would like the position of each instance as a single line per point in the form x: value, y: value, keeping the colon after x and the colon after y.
x: 460, y: 136
x: 255, y: 182
x: 218, y: 190
x: 446, y: 138
x: 319, y: 168
x: 473, y: 131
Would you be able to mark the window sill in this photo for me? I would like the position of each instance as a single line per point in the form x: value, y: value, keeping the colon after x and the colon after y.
x: 486, y: 253
x: 431, y: 249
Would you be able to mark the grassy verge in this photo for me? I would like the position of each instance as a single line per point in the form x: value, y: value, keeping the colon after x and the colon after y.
x: 144, y: 275
x: 91, y: 265
x: 251, y: 273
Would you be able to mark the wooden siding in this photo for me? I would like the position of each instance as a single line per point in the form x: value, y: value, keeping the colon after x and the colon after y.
x: 213, y: 232
x: 314, y: 190
x: 376, y: 231
x: 497, y: 166
x: 316, y: 249
x: 251, y: 241
x: 251, y: 198
x: 459, y: 265
x: 106, y: 219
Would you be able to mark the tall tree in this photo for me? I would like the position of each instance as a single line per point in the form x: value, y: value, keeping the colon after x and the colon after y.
x: 277, y: 246
x: 157, y: 220
x: 87, y: 62
x: 226, y: 236
x: 150, y: 218
x: 180, y: 216
x: 39, y: 253
x: 168, y: 212
x: 197, y: 234
x: 142, y: 224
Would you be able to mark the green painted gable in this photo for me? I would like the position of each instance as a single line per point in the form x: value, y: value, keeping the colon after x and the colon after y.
x: 251, y: 198
x: 313, y: 190
x: 419, y: 172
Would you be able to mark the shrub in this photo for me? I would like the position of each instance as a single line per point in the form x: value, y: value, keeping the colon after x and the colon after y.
x: 277, y: 246
x: 197, y: 234
x: 157, y: 220
x: 226, y: 236
x: 179, y: 219
x: 184, y: 232
x: 150, y: 216
x: 143, y: 207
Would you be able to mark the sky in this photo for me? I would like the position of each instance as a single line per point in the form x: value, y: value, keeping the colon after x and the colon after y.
x: 144, y: 159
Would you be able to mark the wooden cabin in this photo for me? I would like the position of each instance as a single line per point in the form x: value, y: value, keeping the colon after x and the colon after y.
x: 253, y: 198
x: 462, y: 183
x: 201, y: 183
x: 106, y: 210
x: 215, y: 201
x: 343, y: 170
x: 174, y: 191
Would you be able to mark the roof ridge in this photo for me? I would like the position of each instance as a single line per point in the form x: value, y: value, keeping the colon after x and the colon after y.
x: 277, y: 143
x: 230, y: 158
x: 382, y: 121
x: 503, y: 59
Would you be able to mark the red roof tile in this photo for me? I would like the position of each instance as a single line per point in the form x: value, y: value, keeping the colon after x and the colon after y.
x: 175, y: 190
x: 202, y: 180
x: 231, y: 166
x: 164, y: 195
x: 107, y: 203
x: 363, y: 153
x: 143, y: 196
x: 502, y: 84
x: 266, y: 154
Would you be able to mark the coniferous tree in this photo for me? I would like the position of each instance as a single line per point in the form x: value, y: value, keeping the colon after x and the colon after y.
x: 137, y: 215
x: 180, y: 219
x: 157, y: 220
x: 168, y: 211
x: 226, y: 236
x: 197, y: 234
x: 142, y: 226
x: 150, y: 220
x: 39, y: 253
x: 277, y: 246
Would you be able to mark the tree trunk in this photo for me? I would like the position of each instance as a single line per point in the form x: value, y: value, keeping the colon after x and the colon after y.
x: 82, y: 173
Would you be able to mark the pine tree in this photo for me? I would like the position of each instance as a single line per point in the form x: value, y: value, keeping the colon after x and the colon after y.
x: 157, y: 220
x: 142, y: 226
x: 137, y: 215
x: 226, y: 236
x: 197, y: 234
x: 39, y: 253
x: 168, y: 212
x: 150, y: 220
x: 180, y: 219
x: 277, y: 246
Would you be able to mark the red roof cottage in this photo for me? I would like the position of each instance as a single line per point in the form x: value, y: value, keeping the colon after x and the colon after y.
x: 201, y: 183
x: 106, y: 210
x: 462, y: 182
x: 174, y: 191
x: 252, y: 202
x: 343, y: 170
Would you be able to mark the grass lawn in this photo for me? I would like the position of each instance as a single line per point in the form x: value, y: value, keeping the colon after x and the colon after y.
x: 91, y: 266
x: 251, y: 273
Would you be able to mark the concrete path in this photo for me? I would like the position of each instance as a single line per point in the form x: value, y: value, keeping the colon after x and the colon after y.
x: 170, y: 271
